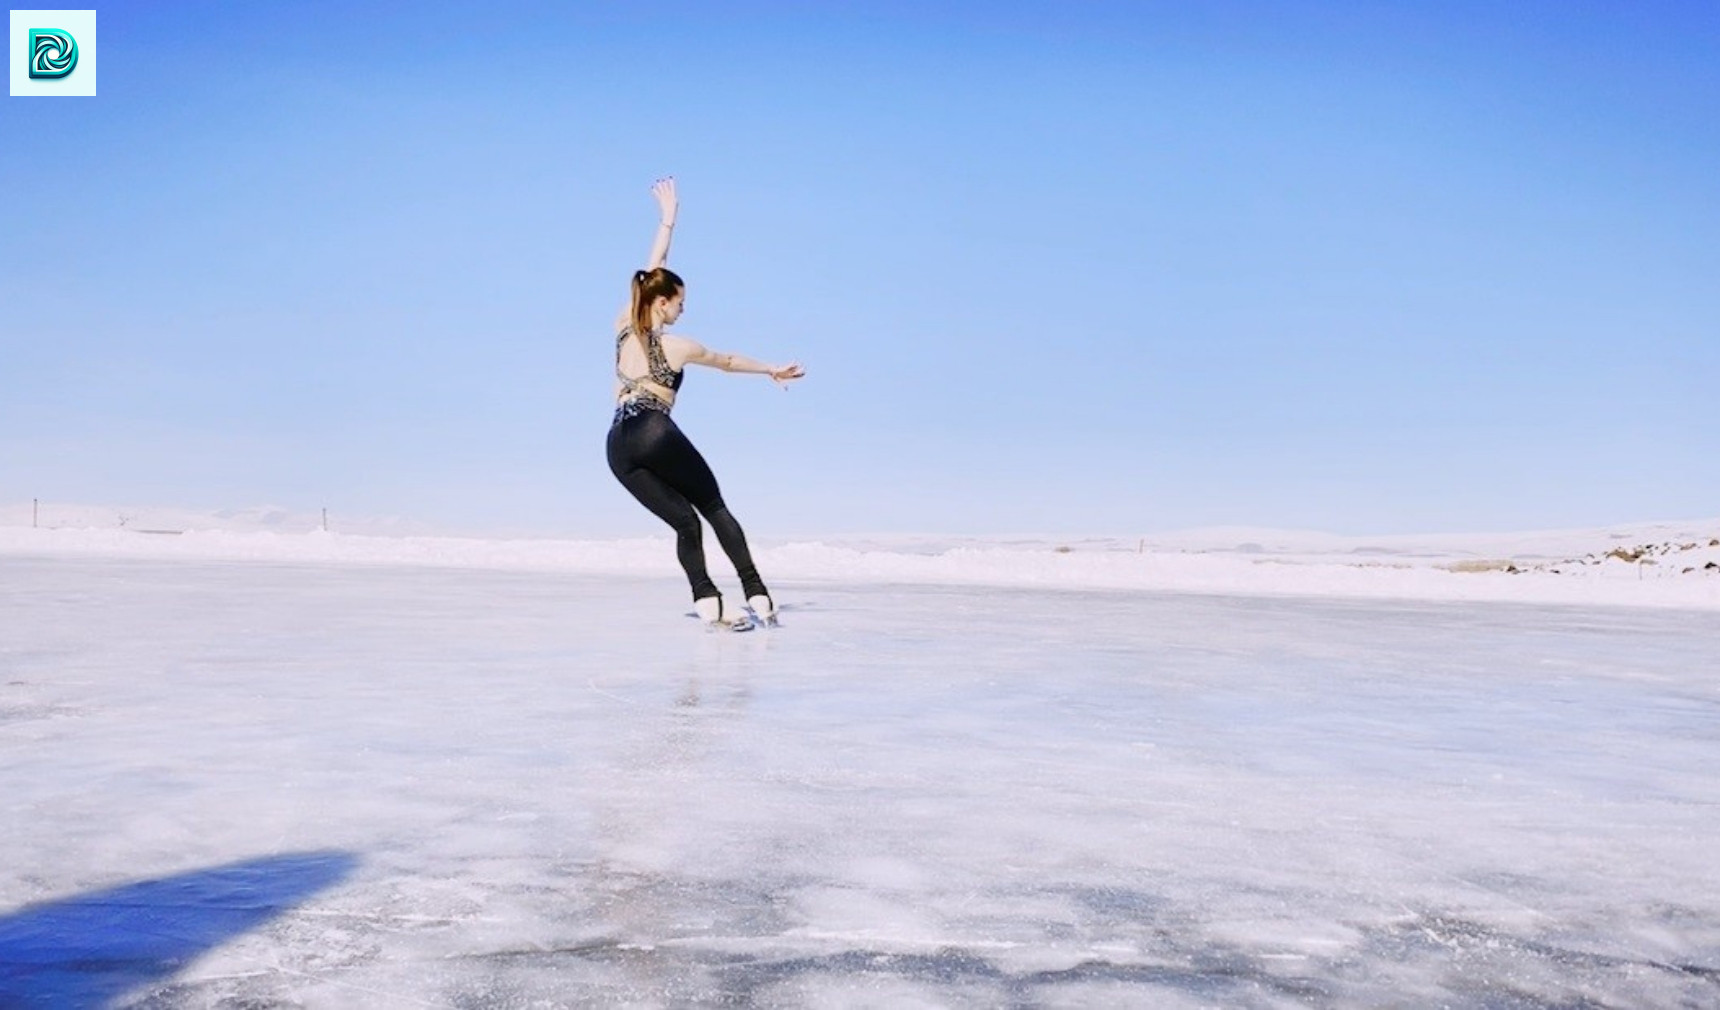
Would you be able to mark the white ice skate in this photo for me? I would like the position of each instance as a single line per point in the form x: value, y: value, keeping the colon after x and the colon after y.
x: 763, y: 610
x: 710, y: 610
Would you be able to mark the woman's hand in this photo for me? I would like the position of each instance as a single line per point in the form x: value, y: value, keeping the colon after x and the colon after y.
x: 785, y: 374
x: 667, y: 203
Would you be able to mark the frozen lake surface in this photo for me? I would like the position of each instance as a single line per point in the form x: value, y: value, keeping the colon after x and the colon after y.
x: 263, y: 784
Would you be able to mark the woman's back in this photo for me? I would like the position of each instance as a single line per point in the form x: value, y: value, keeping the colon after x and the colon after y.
x: 646, y: 369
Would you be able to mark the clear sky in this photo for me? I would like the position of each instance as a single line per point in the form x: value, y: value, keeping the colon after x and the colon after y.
x: 1052, y: 267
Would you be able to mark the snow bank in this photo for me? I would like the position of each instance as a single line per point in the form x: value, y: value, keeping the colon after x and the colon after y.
x: 1656, y: 565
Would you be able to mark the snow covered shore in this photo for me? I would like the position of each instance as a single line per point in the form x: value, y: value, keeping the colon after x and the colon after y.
x: 1673, y: 565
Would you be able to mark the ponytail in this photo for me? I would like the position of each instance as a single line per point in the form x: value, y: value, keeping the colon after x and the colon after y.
x: 648, y: 286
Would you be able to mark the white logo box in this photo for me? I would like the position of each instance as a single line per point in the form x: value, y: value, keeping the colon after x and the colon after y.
x: 81, y: 26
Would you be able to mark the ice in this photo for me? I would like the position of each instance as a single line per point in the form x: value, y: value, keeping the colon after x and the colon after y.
x: 389, y: 782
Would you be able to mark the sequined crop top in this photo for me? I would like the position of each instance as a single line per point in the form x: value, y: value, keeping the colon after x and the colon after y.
x: 657, y: 366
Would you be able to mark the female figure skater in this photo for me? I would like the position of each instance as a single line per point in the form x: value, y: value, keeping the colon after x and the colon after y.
x: 647, y: 451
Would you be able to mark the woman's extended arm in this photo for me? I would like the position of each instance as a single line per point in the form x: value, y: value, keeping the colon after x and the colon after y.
x: 664, y: 190
x: 698, y: 354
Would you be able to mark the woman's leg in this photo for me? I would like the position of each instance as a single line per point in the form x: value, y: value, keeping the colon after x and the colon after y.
x: 673, y: 457
x: 628, y: 441
x: 734, y: 543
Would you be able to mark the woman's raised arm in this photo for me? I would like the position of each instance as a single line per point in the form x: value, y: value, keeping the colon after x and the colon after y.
x: 667, y: 204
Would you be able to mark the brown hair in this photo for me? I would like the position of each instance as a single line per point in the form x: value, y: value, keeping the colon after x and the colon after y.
x: 648, y: 286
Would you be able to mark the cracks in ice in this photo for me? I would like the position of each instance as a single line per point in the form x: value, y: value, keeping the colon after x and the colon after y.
x: 1135, y: 939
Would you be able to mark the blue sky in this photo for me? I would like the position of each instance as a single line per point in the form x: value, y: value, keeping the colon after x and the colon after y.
x: 1062, y: 268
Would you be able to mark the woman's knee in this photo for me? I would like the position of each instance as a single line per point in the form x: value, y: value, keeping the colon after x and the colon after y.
x: 686, y: 524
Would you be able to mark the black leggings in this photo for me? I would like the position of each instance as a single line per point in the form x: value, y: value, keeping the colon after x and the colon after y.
x: 652, y: 459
